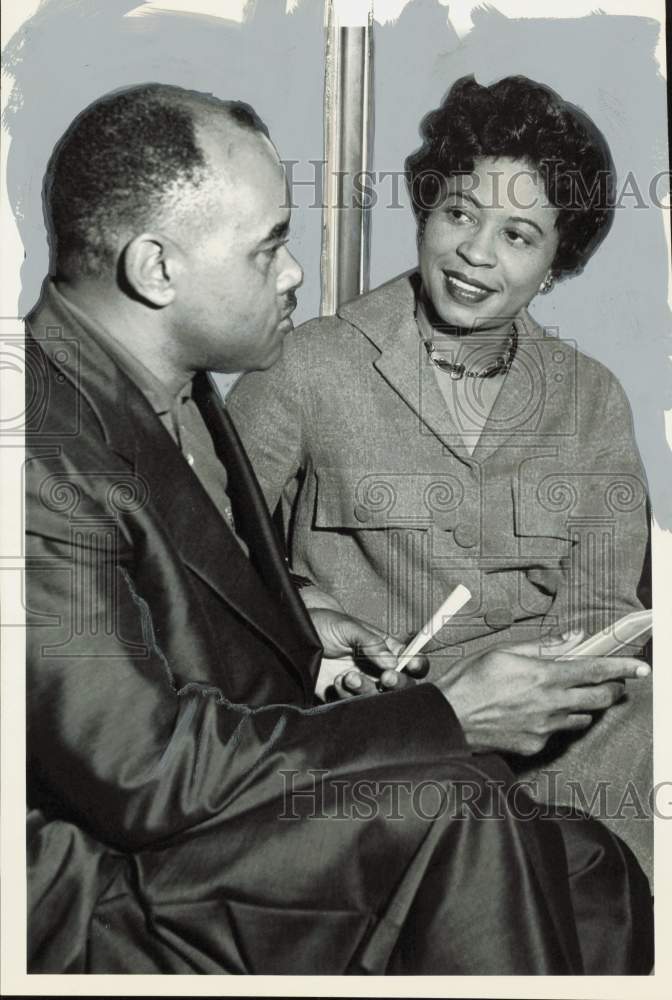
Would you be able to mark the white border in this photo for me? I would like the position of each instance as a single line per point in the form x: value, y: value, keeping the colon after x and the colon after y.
x: 12, y: 832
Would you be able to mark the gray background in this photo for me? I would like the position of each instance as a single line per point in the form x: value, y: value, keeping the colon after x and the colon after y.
x: 72, y: 51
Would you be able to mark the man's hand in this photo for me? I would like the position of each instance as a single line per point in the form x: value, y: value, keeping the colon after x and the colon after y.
x: 511, y: 699
x: 372, y: 650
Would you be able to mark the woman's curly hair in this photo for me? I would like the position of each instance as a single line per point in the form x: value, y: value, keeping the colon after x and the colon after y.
x: 522, y: 120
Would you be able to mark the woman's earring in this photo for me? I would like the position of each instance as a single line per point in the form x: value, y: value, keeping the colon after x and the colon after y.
x: 547, y: 284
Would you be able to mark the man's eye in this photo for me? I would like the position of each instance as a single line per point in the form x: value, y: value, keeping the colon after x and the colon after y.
x: 272, y: 251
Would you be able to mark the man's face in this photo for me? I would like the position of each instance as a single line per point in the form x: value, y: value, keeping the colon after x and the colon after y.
x: 237, y: 287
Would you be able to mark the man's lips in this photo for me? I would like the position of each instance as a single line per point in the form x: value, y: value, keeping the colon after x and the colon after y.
x: 291, y: 306
x: 465, y: 289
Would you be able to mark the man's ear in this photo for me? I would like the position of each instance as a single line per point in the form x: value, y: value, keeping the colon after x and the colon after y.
x: 149, y: 267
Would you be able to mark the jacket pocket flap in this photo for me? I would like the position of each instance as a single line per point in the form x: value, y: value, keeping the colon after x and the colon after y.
x: 357, y: 498
x: 556, y: 502
x: 544, y: 501
x: 533, y: 521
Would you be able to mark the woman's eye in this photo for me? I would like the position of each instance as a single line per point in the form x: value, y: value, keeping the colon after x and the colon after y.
x: 516, y: 238
x: 457, y: 215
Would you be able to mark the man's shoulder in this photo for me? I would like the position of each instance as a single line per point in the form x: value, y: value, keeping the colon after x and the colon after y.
x: 69, y: 461
x: 57, y: 412
x: 79, y: 392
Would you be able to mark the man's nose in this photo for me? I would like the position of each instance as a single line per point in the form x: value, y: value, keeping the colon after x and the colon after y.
x: 291, y: 272
x: 478, y: 248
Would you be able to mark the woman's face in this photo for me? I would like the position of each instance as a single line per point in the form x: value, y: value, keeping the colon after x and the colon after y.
x: 488, y: 246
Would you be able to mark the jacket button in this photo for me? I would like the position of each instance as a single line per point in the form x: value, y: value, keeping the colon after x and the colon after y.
x: 498, y: 618
x: 362, y: 513
x: 465, y: 536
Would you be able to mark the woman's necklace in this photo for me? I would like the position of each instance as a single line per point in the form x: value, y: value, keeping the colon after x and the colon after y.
x: 457, y: 371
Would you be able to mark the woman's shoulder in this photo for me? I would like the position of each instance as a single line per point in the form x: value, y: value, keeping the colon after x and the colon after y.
x: 365, y: 315
x: 563, y: 350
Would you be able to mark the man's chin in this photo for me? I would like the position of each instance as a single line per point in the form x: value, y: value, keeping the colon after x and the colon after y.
x: 273, y: 355
x: 262, y: 361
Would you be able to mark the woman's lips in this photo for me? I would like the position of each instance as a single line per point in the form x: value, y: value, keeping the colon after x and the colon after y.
x: 465, y: 291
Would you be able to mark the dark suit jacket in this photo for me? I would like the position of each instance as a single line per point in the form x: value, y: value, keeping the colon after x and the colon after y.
x: 190, y: 808
x: 170, y: 684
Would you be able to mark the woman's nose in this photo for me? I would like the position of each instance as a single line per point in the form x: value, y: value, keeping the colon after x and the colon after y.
x: 478, y: 249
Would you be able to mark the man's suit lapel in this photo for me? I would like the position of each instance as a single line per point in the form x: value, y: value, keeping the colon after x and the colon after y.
x: 191, y: 521
x: 251, y: 514
x: 207, y: 546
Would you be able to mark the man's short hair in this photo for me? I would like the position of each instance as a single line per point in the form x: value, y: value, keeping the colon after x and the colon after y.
x: 121, y: 164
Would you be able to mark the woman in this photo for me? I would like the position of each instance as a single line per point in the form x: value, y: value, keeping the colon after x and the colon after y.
x: 432, y: 434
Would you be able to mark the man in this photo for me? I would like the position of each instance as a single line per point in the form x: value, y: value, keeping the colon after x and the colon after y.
x: 191, y: 808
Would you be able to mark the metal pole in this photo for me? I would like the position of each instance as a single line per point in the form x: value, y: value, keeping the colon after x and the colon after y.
x: 348, y: 134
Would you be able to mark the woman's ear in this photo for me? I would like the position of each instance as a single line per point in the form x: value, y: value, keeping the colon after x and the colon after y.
x: 149, y: 269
